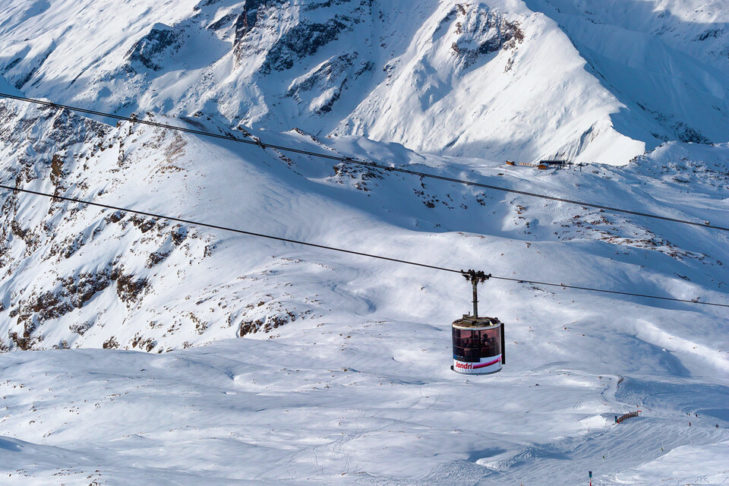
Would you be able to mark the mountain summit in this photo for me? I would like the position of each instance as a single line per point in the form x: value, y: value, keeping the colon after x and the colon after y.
x: 586, y: 80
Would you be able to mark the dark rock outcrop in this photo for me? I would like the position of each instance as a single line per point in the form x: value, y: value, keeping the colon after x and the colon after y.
x: 149, y: 50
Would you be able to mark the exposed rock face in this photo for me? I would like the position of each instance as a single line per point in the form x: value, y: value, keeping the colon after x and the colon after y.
x: 300, y: 36
x: 687, y: 134
x: 322, y: 87
x: 249, y: 61
x: 305, y: 39
x: 482, y: 31
x: 69, y: 293
x: 253, y: 10
x: 456, y: 78
x: 74, y: 275
x: 150, y: 50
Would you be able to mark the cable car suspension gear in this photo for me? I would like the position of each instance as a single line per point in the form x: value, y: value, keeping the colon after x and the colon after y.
x: 475, y: 277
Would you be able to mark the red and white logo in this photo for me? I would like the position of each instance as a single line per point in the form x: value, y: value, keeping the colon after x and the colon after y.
x: 475, y: 366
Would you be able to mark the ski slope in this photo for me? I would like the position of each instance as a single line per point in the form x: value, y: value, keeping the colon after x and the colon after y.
x: 346, y: 377
x: 364, y: 402
x: 139, y: 350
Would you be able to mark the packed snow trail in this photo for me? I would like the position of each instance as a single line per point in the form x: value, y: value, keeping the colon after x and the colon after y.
x: 370, y: 403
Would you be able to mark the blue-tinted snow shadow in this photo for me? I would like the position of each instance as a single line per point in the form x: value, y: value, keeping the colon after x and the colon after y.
x: 475, y: 455
x: 8, y: 445
x: 696, y: 398
x: 676, y: 106
x: 525, y: 458
x: 32, y: 9
x: 719, y: 413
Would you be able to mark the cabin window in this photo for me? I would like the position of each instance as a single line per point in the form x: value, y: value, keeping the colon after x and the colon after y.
x: 472, y: 345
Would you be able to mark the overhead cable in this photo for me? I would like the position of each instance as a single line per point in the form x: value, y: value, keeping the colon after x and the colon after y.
x: 366, y: 163
x: 343, y: 250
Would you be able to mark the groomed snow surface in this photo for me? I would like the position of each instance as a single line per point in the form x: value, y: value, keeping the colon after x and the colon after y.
x: 366, y: 402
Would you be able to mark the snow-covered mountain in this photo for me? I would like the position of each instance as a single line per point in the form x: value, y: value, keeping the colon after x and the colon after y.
x: 264, y: 362
x: 342, y: 373
x: 83, y: 276
x: 667, y: 61
x: 586, y: 80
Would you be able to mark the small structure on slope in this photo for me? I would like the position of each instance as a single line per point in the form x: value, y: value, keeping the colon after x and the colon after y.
x: 542, y: 164
x: 478, y: 342
x: 629, y: 415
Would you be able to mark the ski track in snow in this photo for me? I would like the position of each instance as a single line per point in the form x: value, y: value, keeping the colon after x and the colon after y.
x: 277, y: 411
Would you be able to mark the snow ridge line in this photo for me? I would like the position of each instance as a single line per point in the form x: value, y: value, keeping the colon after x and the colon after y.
x: 343, y: 250
x: 367, y: 163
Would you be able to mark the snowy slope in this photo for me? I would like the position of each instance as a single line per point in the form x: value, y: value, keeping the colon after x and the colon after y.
x: 342, y: 404
x: 666, y: 60
x: 342, y: 374
x: 239, y: 360
x: 492, y: 79
x: 78, y: 276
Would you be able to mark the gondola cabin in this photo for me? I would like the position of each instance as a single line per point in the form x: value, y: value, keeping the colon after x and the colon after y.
x: 478, y: 345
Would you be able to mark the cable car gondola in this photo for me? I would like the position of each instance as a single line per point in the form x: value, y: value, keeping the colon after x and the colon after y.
x: 478, y: 342
x: 478, y: 345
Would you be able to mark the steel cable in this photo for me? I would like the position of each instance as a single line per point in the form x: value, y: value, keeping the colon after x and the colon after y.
x: 343, y: 250
x: 366, y: 163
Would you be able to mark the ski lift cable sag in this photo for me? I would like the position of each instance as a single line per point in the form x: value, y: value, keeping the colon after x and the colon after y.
x: 366, y: 163
x: 479, y: 275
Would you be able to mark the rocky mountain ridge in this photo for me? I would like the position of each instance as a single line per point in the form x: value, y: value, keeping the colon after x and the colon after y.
x: 496, y: 79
